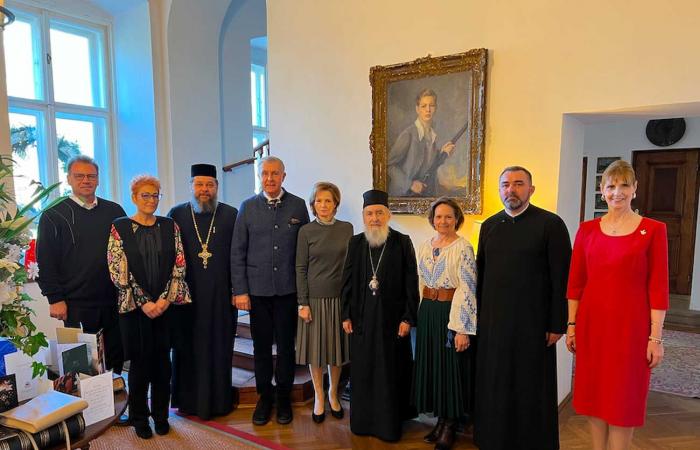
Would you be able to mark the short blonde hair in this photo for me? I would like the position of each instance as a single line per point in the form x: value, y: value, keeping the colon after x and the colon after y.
x: 619, y: 170
x: 324, y: 186
x: 140, y: 181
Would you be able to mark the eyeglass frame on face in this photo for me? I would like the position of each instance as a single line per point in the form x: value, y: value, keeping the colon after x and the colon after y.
x: 145, y: 196
x: 83, y: 176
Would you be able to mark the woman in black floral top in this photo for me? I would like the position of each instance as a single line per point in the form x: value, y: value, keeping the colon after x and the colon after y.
x: 147, y: 264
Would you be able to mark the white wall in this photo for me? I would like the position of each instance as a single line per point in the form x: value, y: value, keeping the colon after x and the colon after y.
x: 244, y: 20
x: 135, y: 116
x: 546, y: 59
x: 195, y: 95
x: 621, y: 138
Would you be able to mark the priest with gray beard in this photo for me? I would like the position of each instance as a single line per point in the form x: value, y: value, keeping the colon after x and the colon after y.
x: 380, y: 301
x: 203, y: 331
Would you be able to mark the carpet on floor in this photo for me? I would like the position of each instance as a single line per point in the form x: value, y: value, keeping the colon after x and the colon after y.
x: 184, y: 434
x: 679, y: 372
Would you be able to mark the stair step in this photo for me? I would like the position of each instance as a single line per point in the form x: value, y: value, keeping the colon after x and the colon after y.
x: 243, y: 353
x: 687, y: 320
x: 244, y: 382
x: 243, y: 328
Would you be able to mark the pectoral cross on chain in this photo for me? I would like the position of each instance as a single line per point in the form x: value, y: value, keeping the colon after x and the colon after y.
x: 205, y: 255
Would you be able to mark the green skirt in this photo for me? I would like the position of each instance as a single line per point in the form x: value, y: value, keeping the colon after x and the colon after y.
x: 444, y: 380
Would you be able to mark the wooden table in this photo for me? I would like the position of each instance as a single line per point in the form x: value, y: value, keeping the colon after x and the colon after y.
x: 96, y: 429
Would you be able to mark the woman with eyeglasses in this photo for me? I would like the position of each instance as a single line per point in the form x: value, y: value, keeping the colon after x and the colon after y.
x: 147, y: 264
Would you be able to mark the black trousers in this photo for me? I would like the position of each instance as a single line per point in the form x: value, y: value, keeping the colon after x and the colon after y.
x: 153, y: 370
x: 94, y: 318
x: 274, y: 318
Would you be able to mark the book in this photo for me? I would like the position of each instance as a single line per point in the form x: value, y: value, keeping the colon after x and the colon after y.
x: 11, y: 439
x: 8, y: 392
x: 96, y: 351
x: 73, y: 358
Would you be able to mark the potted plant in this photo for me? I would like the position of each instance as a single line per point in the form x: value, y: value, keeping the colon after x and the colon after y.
x: 15, y: 304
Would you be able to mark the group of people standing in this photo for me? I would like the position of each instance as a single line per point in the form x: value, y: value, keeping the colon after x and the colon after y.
x: 486, y: 326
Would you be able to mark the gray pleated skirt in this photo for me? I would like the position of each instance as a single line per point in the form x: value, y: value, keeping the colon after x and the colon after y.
x: 323, y: 341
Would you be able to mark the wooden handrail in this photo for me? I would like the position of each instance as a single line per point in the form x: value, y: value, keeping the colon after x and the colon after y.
x: 257, y: 149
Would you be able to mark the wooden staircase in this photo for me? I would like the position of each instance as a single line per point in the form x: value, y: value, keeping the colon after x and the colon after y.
x: 243, y: 377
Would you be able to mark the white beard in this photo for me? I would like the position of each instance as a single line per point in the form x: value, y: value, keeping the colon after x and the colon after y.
x: 377, y: 236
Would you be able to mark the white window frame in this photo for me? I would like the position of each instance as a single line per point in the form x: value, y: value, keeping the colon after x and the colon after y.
x: 105, y: 151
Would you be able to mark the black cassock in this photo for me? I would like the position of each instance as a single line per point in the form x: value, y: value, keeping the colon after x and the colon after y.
x: 203, y: 332
x: 522, y: 265
x: 381, y: 363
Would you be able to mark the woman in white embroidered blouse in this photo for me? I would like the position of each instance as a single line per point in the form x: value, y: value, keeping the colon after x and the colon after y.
x: 444, y: 377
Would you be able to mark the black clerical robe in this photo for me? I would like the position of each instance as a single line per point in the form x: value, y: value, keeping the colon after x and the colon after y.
x: 204, y: 331
x: 381, y: 362
x: 522, y: 266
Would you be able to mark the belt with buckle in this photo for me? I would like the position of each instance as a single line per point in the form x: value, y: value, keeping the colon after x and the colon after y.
x: 439, y: 295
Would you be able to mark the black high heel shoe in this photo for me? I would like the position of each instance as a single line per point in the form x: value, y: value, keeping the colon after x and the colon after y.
x: 436, y: 431
x: 318, y: 418
x: 338, y: 414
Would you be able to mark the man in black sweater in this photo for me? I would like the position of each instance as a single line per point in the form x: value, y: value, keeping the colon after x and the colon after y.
x: 72, y: 256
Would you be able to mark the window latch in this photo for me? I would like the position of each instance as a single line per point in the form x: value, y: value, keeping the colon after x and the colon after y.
x: 48, y: 58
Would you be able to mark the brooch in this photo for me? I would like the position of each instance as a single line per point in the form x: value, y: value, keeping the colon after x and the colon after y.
x: 643, y: 232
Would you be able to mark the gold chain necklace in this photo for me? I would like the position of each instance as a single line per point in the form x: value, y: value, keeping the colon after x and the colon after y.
x: 204, y: 254
x: 614, y: 227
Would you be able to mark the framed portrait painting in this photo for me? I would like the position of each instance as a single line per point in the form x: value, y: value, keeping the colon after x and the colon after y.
x: 427, y: 136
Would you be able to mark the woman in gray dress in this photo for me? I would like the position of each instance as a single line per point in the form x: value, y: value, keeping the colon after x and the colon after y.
x: 321, y: 248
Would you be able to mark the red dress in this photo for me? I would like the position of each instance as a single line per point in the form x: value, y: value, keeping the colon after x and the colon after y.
x: 617, y: 280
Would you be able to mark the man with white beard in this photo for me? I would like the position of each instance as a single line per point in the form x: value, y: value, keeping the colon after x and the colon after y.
x: 380, y: 300
x: 203, y: 331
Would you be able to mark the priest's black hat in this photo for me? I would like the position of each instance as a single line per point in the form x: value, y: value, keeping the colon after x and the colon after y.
x: 375, y: 197
x: 203, y: 170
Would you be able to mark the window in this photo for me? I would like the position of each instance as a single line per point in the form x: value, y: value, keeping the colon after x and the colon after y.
x: 258, y: 96
x: 57, y: 80
x: 258, y: 90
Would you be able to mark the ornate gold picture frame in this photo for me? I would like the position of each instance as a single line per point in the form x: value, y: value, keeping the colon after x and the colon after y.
x: 428, y: 131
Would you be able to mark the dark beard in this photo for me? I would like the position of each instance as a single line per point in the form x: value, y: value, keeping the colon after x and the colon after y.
x: 204, y: 207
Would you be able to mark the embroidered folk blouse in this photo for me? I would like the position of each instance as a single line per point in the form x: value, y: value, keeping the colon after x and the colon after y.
x: 454, y: 268
x: 132, y: 296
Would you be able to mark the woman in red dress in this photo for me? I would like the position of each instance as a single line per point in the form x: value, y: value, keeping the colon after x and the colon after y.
x: 618, y: 296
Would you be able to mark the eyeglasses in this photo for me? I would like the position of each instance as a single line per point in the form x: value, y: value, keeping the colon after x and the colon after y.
x: 82, y: 176
x: 199, y: 185
x: 146, y: 197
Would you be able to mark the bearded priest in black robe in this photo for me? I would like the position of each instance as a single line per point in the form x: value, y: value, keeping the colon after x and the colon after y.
x: 380, y: 300
x: 522, y: 270
x: 204, y: 330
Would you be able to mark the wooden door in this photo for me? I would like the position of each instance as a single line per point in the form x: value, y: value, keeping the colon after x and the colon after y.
x: 668, y: 192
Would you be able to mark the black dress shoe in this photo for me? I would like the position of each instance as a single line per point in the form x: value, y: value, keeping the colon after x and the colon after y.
x: 338, y: 414
x: 263, y: 411
x: 447, y: 436
x: 435, y: 432
x: 284, y: 410
x: 318, y: 418
x: 162, y: 427
x: 143, y: 431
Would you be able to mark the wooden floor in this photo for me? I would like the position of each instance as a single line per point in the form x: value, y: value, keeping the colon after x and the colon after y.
x: 672, y: 423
